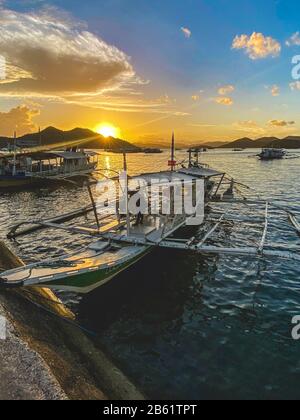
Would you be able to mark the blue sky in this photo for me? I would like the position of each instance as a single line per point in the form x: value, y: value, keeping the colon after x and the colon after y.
x: 182, y: 72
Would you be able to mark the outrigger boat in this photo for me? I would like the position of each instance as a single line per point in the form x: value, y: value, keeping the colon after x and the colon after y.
x: 120, y: 242
x: 23, y: 169
x: 272, y: 153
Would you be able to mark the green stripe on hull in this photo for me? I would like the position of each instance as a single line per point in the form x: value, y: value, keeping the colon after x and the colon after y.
x: 98, y: 277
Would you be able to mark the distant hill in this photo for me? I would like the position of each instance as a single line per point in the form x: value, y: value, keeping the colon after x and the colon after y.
x: 202, y: 146
x: 265, y: 141
x: 291, y: 142
x: 243, y: 143
x: 51, y: 136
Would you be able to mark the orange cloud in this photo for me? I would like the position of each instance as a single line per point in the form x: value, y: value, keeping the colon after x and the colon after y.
x: 50, y: 54
x: 224, y: 90
x: 257, y: 45
x: 249, y: 126
x: 224, y: 101
x: 19, y: 119
x: 280, y: 123
x: 275, y: 90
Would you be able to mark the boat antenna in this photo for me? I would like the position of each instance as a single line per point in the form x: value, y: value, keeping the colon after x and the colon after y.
x: 172, y: 162
x: 15, y: 153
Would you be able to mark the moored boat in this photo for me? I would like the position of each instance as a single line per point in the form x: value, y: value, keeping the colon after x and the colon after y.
x: 272, y: 153
x: 25, y: 169
x: 81, y: 272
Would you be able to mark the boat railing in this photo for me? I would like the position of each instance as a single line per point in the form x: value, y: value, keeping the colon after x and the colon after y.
x: 62, y: 170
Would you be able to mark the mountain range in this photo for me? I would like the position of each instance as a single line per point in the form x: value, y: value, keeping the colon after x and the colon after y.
x: 180, y: 144
x: 52, y: 136
x: 291, y: 142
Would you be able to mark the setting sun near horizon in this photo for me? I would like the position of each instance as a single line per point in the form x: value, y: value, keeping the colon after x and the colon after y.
x: 107, y: 130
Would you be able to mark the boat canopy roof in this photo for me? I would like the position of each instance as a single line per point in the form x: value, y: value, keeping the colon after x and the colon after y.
x: 201, y: 172
x: 67, y: 155
x: 183, y: 174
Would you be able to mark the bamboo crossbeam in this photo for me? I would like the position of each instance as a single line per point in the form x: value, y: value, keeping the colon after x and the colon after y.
x: 264, y: 236
x: 36, y: 226
x: 294, y: 222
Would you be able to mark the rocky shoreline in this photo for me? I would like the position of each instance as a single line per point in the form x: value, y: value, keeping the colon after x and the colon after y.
x: 45, y: 356
x: 24, y: 375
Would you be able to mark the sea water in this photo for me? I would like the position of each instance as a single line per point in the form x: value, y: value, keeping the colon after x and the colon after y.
x: 187, y: 326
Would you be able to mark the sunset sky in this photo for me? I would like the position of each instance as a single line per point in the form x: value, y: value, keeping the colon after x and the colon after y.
x: 208, y: 69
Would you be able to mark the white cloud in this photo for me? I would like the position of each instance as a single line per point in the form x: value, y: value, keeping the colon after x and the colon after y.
x: 186, y: 32
x: 19, y: 119
x: 50, y: 54
x: 224, y: 90
x: 293, y: 40
x: 295, y: 85
x: 257, y: 46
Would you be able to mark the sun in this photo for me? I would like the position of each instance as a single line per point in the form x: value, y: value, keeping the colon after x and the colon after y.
x: 107, y: 130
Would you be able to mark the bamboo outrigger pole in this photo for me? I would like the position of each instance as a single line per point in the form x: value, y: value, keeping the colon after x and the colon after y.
x: 94, y: 206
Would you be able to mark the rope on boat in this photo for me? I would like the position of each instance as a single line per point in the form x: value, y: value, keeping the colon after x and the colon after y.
x: 69, y: 321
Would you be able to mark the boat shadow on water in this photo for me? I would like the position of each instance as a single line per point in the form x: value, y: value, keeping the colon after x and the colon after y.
x: 154, y: 291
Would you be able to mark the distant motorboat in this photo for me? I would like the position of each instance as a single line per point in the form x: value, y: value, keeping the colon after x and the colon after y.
x: 238, y: 149
x: 150, y: 151
x: 122, y: 151
x: 272, y: 153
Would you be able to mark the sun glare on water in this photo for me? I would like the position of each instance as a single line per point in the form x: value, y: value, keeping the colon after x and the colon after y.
x: 107, y: 130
